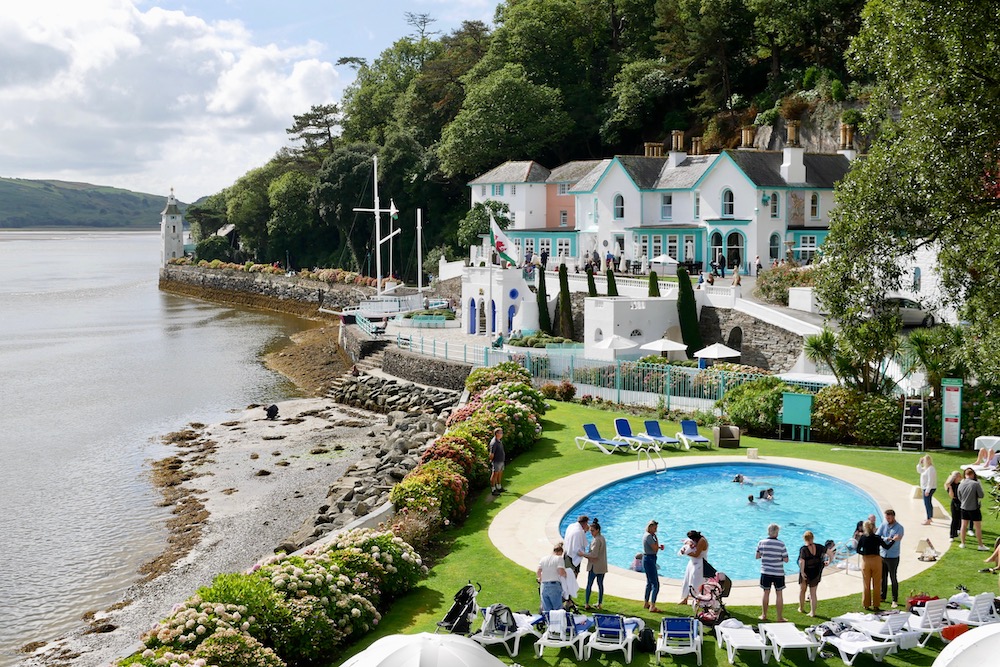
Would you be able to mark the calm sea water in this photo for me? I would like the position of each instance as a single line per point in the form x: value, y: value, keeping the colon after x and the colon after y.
x: 95, y: 363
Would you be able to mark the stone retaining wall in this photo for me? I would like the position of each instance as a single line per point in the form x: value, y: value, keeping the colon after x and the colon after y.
x: 763, y: 345
x: 418, y: 368
x: 388, y: 395
x: 359, y: 344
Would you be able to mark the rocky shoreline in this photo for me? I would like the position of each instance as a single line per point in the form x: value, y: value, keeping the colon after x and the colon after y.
x: 250, y: 486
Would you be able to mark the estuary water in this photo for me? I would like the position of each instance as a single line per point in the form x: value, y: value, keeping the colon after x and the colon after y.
x: 95, y: 364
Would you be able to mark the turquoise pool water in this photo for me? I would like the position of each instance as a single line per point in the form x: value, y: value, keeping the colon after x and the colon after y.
x: 705, y: 498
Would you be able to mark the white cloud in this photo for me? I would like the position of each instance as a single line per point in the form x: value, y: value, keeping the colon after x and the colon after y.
x: 104, y: 92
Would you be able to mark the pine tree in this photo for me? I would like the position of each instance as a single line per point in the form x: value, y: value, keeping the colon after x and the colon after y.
x: 654, y: 284
x: 612, y: 286
x: 565, y: 305
x: 544, y: 321
x: 687, y: 312
x: 591, y: 285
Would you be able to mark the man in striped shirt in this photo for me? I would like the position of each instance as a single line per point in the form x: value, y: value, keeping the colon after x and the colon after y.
x: 773, y: 555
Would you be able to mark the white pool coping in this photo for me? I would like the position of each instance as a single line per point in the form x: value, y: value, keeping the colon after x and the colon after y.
x: 525, y: 530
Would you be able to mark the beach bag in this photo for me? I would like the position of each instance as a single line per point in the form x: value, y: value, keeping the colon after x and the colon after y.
x: 949, y: 632
x: 918, y: 600
x: 646, y: 641
x: 707, y: 570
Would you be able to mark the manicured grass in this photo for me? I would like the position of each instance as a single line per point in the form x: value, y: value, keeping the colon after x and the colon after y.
x: 471, y: 556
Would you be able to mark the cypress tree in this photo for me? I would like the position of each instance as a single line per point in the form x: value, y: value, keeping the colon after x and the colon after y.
x: 544, y: 321
x: 687, y: 312
x: 654, y: 284
x: 612, y: 285
x: 591, y: 285
x: 565, y: 305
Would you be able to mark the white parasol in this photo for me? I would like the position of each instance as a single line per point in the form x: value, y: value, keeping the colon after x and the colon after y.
x: 717, y: 351
x: 664, y: 345
x: 615, y: 342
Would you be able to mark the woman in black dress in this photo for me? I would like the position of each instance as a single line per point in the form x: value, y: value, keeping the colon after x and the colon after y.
x: 954, y: 479
x: 812, y: 560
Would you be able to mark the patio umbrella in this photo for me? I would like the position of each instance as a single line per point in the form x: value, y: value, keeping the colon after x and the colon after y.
x: 663, y: 259
x: 717, y: 351
x: 664, y: 345
x: 615, y: 342
x: 424, y: 650
x: 976, y: 647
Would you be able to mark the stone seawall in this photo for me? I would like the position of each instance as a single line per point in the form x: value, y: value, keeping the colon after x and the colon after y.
x: 763, y: 345
x: 418, y: 368
x: 258, y: 290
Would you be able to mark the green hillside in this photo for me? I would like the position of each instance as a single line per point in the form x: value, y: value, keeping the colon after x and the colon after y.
x: 27, y: 203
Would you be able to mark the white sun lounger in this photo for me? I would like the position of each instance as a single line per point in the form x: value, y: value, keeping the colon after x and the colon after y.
x: 851, y: 644
x: 783, y: 636
x: 981, y: 613
x: 742, y: 639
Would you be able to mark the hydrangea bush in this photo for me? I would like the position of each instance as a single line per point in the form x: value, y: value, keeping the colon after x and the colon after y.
x: 469, y: 453
x: 507, y: 371
x: 437, y: 485
x: 522, y: 392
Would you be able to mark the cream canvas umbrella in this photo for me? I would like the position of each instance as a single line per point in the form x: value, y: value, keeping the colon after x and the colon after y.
x: 664, y: 346
x: 978, y: 646
x: 717, y: 351
x: 424, y: 650
x: 663, y: 259
x: 615, y: 342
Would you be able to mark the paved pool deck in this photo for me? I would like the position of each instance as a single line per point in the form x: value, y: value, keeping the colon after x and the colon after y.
x: 526, y: 529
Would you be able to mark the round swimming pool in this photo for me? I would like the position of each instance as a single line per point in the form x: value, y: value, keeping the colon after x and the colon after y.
x: 705, y: 498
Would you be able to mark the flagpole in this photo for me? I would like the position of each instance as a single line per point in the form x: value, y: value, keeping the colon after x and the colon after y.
x: 378, y: 231
x: 420, y: 261
x: 489, y: 311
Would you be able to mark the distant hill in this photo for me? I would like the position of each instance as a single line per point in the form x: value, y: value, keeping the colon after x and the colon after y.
x: 28, y: 203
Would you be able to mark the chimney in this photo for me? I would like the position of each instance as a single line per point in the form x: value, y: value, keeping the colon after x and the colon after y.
x: 793, y: 168
x: 654, y: 148
x: 847, y: 142
x: 746, y: 138
x: 677, y: 154
x: 695, y: 145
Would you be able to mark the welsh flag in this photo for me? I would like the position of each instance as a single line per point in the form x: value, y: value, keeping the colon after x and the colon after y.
x: 505, y: 249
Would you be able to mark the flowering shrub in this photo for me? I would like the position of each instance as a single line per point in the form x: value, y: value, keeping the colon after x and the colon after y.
x: 506, y: 371
x: 228, y: 648
x: 586, y: 399
x: 469, y: 454
x: 464, y: 412
x: 417, y: 528
x: 754, y: 406
x: 549, y: 390
x: 841, y: 414
x: 399, y: 562
x: 772, y: 285
x: 567, y: 390
x: 514, y: 391
x: 434, y: 485
x: 518, y: 421
x: 194, y: 621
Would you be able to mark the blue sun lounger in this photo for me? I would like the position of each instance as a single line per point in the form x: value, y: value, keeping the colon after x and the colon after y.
x: 689, y: 434
x: 655, y: 433
x: 591, y: 436
x: 623, y: 431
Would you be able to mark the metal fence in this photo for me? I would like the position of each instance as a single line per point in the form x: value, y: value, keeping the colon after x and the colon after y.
x: 627, y: 382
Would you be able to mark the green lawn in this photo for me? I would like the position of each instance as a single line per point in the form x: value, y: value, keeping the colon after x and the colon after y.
x: 471, y: 556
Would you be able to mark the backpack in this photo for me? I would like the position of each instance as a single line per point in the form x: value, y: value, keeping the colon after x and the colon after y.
x: 646, y: 641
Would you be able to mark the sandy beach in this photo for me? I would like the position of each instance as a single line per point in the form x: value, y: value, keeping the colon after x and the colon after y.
x: 238, y: 488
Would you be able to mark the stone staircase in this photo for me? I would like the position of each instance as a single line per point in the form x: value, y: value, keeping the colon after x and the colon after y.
x: 372, y: 361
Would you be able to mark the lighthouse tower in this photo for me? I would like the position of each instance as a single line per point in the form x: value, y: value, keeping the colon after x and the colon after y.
x: 171, y: 231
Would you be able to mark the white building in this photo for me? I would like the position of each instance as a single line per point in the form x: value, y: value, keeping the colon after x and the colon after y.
x: 171, y: 231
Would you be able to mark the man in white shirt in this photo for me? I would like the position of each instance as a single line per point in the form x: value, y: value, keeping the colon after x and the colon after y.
x: 575, y: 541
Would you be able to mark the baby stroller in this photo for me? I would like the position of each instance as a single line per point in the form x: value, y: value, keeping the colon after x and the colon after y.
x: 707, y: 600
x: 463, y: 612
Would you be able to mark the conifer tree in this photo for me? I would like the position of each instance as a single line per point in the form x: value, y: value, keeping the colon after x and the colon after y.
x: 544, y: 321
x: 654, y: 284
x: 612, y: 285
x: 591, y: 285
x: 565, y: 305
x: 687, y: 312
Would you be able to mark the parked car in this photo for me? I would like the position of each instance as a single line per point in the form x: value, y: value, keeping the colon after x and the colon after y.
x: 911, y: 312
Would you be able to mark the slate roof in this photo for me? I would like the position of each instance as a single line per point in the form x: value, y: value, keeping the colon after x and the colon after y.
x: 764, y: 168
x: 686, y: 174
x: 523, y: 171
x: 652, y: 173
x: 589, y: 182
x: 571, y: 172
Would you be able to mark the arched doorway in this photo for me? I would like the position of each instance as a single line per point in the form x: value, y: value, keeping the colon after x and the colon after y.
x: 735, y: 251
x: 716, y: 242
x: 473, y: 316
x: 735, y: 339
x: 481, y: 320
x: 493, y: 317
x: 510, y: 318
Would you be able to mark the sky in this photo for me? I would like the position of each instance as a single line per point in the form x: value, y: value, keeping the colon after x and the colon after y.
x: 149, y: 95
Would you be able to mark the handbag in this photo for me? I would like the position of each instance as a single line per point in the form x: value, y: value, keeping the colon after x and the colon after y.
x: 707, y: 571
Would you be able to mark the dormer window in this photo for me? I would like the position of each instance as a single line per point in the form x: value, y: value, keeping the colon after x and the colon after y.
x: 619, y: 207
x: 775, y: 208
x: 728, y: 203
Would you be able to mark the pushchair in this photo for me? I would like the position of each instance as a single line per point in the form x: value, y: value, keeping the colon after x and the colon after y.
x: 463, y: 611
x: 706, y: 602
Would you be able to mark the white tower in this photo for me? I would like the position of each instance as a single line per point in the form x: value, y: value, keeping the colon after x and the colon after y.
x: 171, y: 231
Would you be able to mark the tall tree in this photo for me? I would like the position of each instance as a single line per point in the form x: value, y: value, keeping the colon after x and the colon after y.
x: 317, y: 129
x: 565, y: 304
x: 687, y: 313
x: 542, y: 299
x: 505, y: 117
x: 248, y: 207
x: 930, y: 178
x: 344, y: 183
x: 476, y: 223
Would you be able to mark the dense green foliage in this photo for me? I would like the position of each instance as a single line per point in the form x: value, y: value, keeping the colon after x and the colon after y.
x: 654, y: 284
x: 612, y: 285
x: 565, y: 306
x: 687, y: 312
x: 772, y: 285
x: 542, y: 299
x: 591, y: 285
x: 843, y: 414
x: 754, y: 406
x: 28, y: 203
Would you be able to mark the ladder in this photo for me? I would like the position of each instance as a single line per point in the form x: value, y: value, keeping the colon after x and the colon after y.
x: 912, y: 435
